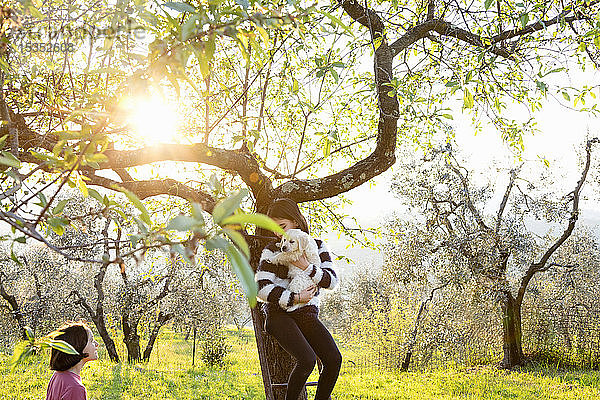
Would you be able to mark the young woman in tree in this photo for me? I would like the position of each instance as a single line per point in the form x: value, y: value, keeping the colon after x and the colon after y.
x: 292, y: 318
x: 65, y: 383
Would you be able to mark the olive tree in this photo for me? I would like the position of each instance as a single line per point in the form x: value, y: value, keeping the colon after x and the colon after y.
x: 498, y: 248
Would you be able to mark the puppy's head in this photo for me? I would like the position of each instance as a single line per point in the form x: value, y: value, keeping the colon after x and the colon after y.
x: 291, y: 242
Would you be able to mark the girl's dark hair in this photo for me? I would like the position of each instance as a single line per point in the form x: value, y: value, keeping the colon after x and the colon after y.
x: 76, y: 334
x: 288, y: 209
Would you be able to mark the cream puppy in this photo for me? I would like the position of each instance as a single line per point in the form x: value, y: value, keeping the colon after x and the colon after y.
x: 293, y: 245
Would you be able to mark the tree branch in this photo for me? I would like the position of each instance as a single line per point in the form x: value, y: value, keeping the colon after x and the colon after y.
x: 513, y: 176
x: 540, y: 265
x: 149, y: 188
x: 383, y: 155
x: 445, y: 28
x: 540, y: 25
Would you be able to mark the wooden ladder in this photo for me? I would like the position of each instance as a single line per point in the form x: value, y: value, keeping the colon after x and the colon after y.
x: 281, y: 385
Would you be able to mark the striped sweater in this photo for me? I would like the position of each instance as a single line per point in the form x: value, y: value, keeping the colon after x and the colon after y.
x: 273, y: 279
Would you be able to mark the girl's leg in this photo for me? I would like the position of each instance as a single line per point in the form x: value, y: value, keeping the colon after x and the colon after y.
x: 325, y: 348
x: 285, y: 330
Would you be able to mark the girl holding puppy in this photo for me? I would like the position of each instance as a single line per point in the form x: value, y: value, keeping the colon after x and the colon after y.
x: 299, y: 332
x: 65, y: 383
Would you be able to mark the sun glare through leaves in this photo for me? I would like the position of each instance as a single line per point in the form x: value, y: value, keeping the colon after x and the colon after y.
x: 152, y: 120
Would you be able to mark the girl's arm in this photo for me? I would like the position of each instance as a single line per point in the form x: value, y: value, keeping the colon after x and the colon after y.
x: 323, y: 275
x: 272, y: 286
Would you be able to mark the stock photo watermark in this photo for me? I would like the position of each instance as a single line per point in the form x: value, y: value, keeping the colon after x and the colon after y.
x: 68, y: 39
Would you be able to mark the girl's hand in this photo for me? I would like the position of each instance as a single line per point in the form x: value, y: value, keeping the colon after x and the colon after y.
x: 307, y: 294
x: 301, y: 263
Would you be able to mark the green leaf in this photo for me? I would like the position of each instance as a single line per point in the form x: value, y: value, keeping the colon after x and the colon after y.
x: 239, y: 240
x: 468, y: 100
x: 228, y: 205
x: 240, y: 265
x: 244, y: 272
x: 58, y: 147
x: 61, y: 345
x: 70, y: 135
x: 35, y: 12
x: 197, y: 213
x: 216, y: 243
x: 181, y: 7
x: 243, y: 3
x: 566, y: 96
x: 177, y: 248
x: 95, y: 195
x: 58, y: 224
x: 30, y: 335
x: 138, y: 204
x: 21, y: 352
x: 336, y: 21
x: 182, y: 223
x: 488, y: 4
x: 59, y: 207
x: 80, y: 183
x: 260, y: 220
x: 215, y: 184
x: 7, y: 158
x: 524, y: 18
x: 3, y: 140
x: 263, y: 34
x: 189, y: 27
x: 134, y: 239
x: 335, y: 75
x: 327, y: 147
x: 43, y: 200
x: 98, y: 157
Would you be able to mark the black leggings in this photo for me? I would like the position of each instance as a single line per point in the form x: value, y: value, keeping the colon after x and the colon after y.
x: 305, y: 338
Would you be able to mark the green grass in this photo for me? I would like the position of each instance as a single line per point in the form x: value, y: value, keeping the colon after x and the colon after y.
x: 169, y: 375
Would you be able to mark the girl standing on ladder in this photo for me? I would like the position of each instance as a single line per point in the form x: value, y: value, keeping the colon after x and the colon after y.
x: 292, y: 318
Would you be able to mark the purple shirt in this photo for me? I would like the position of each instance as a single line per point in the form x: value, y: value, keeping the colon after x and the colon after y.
x: 65, y: 385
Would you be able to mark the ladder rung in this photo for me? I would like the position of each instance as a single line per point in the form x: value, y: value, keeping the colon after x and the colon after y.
x: 285, y: 384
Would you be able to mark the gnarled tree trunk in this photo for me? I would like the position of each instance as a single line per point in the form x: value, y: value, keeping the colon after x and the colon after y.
x: 276, y: 364
x: 109, y: 343
x: 511, y: 326
x: 160, y: 321
x: 131, y: 338
x: 14, y: 308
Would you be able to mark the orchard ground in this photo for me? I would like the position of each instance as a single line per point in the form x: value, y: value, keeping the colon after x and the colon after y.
x: 169, y: 375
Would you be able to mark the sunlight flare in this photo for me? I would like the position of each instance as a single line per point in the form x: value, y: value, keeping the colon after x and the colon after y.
x: 152, y: 119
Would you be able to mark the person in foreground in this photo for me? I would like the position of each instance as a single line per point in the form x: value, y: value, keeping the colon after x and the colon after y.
x: 65, y: 383
x: 292, y: 318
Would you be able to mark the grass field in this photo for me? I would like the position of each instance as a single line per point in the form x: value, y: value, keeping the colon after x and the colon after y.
x: 169, y: 375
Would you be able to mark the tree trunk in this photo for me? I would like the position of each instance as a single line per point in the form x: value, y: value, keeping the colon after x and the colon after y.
x: 131, y: 340
x: 160, y: 321
x: 98, y: 319
x: 14, y: 308
x: 275, y: 363
x: 108, y: 342
x: 511, y: 323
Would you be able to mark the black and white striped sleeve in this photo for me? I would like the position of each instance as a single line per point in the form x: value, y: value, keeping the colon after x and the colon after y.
x: 272, y: 284
x: 323, y: 275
